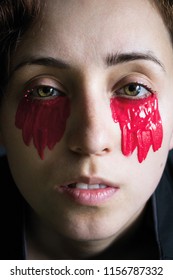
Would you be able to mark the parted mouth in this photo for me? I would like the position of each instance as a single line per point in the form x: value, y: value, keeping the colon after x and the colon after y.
x: 89, y: 183
x: 84, y: 186
x: 88, y: 191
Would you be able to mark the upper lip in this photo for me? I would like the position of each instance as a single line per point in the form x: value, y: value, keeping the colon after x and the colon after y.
x: 92, y: 181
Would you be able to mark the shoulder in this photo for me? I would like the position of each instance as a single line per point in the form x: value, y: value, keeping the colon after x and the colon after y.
x: 11, y: 215
x: 163, y: 210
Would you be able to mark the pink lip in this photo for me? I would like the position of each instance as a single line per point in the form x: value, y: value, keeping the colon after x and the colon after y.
x: 88, y: 197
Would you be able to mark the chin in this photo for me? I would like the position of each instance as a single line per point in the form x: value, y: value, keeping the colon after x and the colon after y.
x: 88, y: 232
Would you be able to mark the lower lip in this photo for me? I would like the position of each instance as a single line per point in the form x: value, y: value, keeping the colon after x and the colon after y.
x: 88, y: 197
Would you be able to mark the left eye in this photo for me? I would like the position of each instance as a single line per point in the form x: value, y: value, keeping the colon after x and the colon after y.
x: 44, y: 91
x: 134, y: 90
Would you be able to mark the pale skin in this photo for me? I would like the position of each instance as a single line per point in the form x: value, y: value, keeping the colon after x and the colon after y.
x: 91, y: 145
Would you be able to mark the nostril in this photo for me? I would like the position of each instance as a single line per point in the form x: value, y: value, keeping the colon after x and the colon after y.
x: 77, y: 150
x: 106, y: 150
x: 89, y: 151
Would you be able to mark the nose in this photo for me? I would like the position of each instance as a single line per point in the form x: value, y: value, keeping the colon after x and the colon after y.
x: 91, y: 130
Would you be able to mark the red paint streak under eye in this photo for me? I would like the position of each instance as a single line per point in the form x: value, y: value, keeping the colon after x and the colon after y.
x: 44, y: 121
x: 140, y: 124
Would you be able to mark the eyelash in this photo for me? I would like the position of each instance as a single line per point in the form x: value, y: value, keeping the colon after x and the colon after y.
x: 32, y: 92
x: 149, y: 91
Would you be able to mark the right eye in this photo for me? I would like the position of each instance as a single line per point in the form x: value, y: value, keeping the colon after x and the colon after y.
x: 44, y: 92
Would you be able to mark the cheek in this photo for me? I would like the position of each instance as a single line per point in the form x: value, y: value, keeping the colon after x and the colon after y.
x: 43, y: 122
x: 140, y: 124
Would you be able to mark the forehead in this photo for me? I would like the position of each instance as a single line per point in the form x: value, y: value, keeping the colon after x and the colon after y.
x: 86, y: 30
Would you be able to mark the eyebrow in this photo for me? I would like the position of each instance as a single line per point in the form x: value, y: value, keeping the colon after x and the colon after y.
x: 45, y: 61
x: 110, y: 60
x: 118, y: 58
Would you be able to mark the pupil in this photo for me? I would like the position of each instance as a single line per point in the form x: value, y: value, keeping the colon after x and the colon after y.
x: 47, y: 90
x: 134, y: 89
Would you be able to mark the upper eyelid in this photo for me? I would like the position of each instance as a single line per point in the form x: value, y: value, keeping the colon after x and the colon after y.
x: 51, y: 81
x: 41, y: 81
x: 133, y: 79
x: 40, y: 86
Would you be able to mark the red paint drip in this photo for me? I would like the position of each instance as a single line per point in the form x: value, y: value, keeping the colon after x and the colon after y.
x: 44, y: 121
x: 140, y: 124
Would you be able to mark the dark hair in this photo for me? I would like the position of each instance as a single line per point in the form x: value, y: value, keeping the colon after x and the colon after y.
x: 165, y: 8
x: 17, y: 15
x: 15, y: 18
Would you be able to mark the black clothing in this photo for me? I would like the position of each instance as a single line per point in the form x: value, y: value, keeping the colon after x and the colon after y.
x: 163, y: 211
x: 151, y: 239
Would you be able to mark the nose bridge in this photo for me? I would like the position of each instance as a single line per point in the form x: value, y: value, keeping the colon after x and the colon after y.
x: 92, y: 100
x: 91, y: 122
x: 91, y: 111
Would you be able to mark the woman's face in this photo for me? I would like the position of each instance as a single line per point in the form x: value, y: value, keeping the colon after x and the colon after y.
x: 71, y: 73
